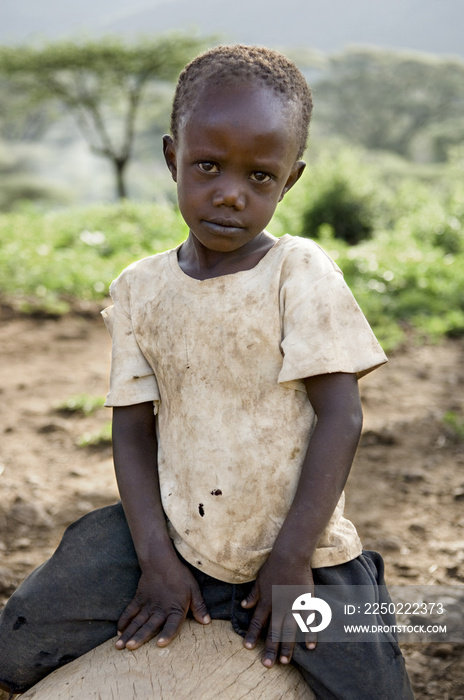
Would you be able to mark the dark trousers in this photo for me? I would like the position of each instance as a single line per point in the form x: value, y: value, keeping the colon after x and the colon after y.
x: 72, y: 603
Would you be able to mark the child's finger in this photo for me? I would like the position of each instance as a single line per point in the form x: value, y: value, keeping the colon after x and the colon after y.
x: 140, y: 630
x: 128, y: 615
x: 273, y: 642
x: 311, y: 640
x: 287, y: 639
x: 252, y: 598
x: 198, y: 607
x: 270, y: 654
x: 170, y: 629
x: 257, y: 623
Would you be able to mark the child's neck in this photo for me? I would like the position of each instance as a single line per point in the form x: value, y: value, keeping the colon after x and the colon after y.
x: 201, y: 263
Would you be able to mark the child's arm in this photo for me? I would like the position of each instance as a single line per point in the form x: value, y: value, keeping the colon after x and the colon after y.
x: 336, y: 402
x: 166, y: 588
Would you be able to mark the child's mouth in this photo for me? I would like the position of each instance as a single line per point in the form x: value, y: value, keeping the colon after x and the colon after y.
x: 224, y: 226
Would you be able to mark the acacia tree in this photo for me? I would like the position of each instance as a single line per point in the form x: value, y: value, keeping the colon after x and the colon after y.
x: 102, y: 83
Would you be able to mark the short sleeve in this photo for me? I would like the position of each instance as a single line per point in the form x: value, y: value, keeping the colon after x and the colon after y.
x: 323, y: 329
x: 132, y: 380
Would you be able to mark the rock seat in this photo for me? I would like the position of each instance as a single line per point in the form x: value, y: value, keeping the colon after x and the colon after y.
x: 203, y: 662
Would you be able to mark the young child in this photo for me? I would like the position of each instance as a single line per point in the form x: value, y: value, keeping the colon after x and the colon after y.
x: 236, y: 412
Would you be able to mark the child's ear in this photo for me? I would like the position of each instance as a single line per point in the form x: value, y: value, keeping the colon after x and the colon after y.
x: 297, y: 172
x: 169, y: 151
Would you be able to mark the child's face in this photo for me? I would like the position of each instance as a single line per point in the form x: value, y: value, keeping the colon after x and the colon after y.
x: 234, y: 160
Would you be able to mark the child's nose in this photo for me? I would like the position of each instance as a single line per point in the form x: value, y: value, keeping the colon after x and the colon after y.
x: 229, y: 194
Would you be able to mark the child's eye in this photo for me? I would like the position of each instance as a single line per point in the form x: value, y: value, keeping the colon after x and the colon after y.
x: 259, y: 176
x: 208, y: 167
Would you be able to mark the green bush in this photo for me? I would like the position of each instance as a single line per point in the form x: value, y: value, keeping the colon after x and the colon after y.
x: 348, y: 215
x: 340, y: 195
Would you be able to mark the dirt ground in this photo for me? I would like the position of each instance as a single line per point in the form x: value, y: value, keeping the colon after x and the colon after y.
x: 406, y: 491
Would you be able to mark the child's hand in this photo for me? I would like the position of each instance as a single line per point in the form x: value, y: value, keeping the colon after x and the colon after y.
x: 160, y: 604
x: 282, y: 572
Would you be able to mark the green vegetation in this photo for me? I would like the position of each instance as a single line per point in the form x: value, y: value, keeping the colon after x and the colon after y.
x: 408, y: 274
x: 100, y: 438
x: 455, y: 424
x: 405, y: 102
x: 341, y: 195
x: 82, y: 404
x: 49, y: 260
x: 406, y: 277
x: 86, y: 405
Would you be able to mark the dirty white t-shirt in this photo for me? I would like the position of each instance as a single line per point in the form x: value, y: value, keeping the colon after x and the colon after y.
x: 223, y: 361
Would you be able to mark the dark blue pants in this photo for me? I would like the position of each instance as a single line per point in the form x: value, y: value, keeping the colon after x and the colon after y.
x: 72, y: 603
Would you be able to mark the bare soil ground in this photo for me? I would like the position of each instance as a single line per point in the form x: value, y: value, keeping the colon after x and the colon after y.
x: 406, y: 491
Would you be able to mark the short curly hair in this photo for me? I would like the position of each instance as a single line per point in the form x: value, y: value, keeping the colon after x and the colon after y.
x: 236, y: 63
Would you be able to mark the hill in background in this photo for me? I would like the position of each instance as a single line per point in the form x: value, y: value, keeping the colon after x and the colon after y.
x: 433, y: 26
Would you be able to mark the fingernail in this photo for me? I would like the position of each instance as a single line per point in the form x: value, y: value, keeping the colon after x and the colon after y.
x: 311, y: 645
x: 161, y: 640
x: 249, y: 645
x: 119, y: 645
x: 267, y: 662
x: 243, y: 602
x: 206, y: 619
x: 284, y: 659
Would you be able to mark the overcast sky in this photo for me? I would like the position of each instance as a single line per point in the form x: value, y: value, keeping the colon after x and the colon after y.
x: 435, y: 26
